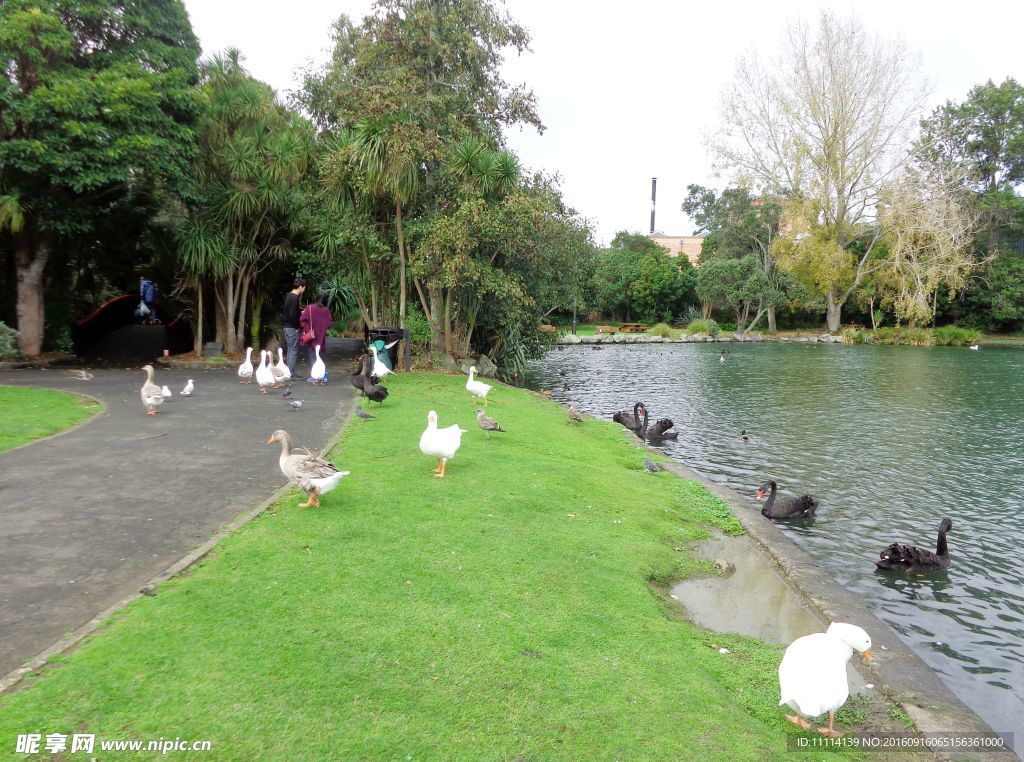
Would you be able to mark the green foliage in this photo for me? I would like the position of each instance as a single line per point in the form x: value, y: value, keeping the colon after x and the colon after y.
x: 662, y: 329
x: 916, y: 337
x: 636, y: 279
x: 855, y: 336
x: 419, y: 329
x: 953, y: 336
x: 9, y: 346
x: 702, y: 325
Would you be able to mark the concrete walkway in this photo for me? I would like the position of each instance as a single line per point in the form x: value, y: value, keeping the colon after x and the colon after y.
x: 88, y: 517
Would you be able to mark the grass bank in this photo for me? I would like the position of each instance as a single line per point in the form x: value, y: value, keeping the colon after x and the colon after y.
x: 505, y: 611
x: 30, y: 414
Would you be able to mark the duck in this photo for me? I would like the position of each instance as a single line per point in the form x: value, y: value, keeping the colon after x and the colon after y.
x: 380, y: 370
x: 812, y: 675
x: 975, y: 347
x: 631, y: 422
x: 152, y: 395
x: 910, y: 558
x: 264, y: 376
x: 314, y: 475
x: 189, y: 388
x: 477, y: 388
x: 440, y: 443
x: 788, y: 507
x: 319, y: 370
x: 660, y: 429
x: 487, y: 424
x: 744, y: 436
x: 574, y: 415
x: 165, y: 390
x: 281, y: 371
x: 245, y: 369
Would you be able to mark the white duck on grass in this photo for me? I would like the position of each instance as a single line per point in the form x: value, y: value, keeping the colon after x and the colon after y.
x: 245, y: 369
x: 477, y: 388
x: 319, y: 370
x: 281, y: 371
x: 812, y: 675
x: 312, y: 474
x: 440, y: 443
x: 264, y: 376
x: 152, y: 395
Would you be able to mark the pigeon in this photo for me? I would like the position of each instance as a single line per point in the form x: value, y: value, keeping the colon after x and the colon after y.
x: 363, y: 414
x: 295, y: 404
x: 83, y: 375
x: 574, y: 414
x: 651, y: 466
x: 165, y: 391
x: 189, y: 388
x: 287, y: 391
x: 487, y: 424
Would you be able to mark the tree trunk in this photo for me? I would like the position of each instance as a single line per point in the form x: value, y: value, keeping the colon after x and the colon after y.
x: 449, y: 343
x: 257, y: 322
x: 30, y: 262
x: 705, y: 310
x: 435, y: 318
x: 197, y: 339
x: 401, y: 266
x: 833, y: 313
x: 770, y: 312
x: 874, y: 324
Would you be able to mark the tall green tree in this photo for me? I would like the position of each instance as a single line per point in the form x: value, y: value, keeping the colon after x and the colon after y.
x: 96, y: 106
x: 253, y: 157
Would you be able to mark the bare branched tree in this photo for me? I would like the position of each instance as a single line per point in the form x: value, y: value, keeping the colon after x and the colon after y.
x: 826, y: 124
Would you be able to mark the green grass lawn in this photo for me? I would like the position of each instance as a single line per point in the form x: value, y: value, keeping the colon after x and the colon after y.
x: 30, y: 414
x: 508, y: 611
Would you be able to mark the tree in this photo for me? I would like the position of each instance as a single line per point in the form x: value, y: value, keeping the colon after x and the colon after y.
x: 96, y: 106
x: 739, y: 226
x: 825, y: 125
x: 253, y: 155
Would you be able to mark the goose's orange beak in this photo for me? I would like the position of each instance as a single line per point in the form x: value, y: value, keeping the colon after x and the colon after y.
x: 271, y: 440
x: 867, y: 655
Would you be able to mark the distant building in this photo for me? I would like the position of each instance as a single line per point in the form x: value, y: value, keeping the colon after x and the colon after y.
x: 689, y: 245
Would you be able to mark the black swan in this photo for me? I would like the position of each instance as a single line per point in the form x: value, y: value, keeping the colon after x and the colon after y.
x: 356, y: 379
x: 631, y: 422
x: 788, y: 507
x: 911, y: 558
x: 374, y: 391
x: 660, y: 429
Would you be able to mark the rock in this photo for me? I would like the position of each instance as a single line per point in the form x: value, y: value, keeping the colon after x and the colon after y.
x: 466, y: 364
x: 568, y: 338
x: 698, y: 337
x: 485, y: 366
x: 756, y: 337
x: 447, y: 361
x: 812, y: 339
x: 726, y: 567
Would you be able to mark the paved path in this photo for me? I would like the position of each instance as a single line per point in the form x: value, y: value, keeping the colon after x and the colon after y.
x: 86, y: 518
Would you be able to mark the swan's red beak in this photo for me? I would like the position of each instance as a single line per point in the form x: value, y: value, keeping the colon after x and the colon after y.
x: 867, y: 655
x: 760, y: 494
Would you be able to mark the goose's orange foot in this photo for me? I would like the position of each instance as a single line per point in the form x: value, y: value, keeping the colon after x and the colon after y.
x: 796, y: 719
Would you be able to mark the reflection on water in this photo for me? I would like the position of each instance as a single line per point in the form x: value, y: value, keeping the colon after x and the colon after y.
x: 890, y: 440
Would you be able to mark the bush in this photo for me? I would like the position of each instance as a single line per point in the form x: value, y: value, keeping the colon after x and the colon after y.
x: 700, y: 325
x: 661, y: 329
x: 10, y: 347
x: 727, y: 327
x: 955, y: 336
x: 855, y: 336
x: 915, y: 337
x: 419, y: 328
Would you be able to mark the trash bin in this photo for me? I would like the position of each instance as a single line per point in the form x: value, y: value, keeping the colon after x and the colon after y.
x: 380, y: 338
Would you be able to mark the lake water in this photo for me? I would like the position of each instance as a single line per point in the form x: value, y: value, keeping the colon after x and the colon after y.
x: 890, y: 440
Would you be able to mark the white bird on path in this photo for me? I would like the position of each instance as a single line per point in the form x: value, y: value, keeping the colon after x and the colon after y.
x: 152, y: 397
x: 245, y: 369
x: 189, y: 388
x: 166, y: 391
x: 812, y: 675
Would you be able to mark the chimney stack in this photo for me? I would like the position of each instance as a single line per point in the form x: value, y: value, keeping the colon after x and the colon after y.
x: 654, y: 193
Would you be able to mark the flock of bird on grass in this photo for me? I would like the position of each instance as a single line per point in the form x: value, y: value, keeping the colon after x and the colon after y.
x: 812, y: 675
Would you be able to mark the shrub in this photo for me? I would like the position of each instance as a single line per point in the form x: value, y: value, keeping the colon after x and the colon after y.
x: 855, y: 336
x: 419, y: 328
x: 955, y: 336
x: 916, y: 337
x: 700, y: 325
x: 9, y: 342
x: 727, y: 327
x: 661, y: 329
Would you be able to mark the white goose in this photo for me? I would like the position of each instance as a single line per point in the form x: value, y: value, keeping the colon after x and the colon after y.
x: 312, y: 474
x: 281, y: 371
x: 319, y: 369
x: 477, y: 388
x: 440, y: 443
x: 379, y: 368
x: 812, y: 675
x: 264, y: 376
x: 245, y: 369
x: 152, y: 395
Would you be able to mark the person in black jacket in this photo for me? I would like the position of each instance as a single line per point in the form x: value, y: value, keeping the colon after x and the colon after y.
x: 292, y: 310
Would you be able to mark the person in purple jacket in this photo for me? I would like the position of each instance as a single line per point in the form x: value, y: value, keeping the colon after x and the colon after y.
x: 316, y: 317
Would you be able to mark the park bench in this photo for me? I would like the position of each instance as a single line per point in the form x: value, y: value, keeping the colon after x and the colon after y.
x: 632, y: 327
x: 599, y: 329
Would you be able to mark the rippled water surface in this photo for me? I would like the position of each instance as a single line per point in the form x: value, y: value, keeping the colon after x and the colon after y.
x: 890, y: 440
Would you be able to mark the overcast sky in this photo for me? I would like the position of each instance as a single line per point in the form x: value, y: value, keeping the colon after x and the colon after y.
x: 627, y: 89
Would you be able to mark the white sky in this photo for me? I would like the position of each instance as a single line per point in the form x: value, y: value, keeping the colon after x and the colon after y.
x: 627, y: 89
